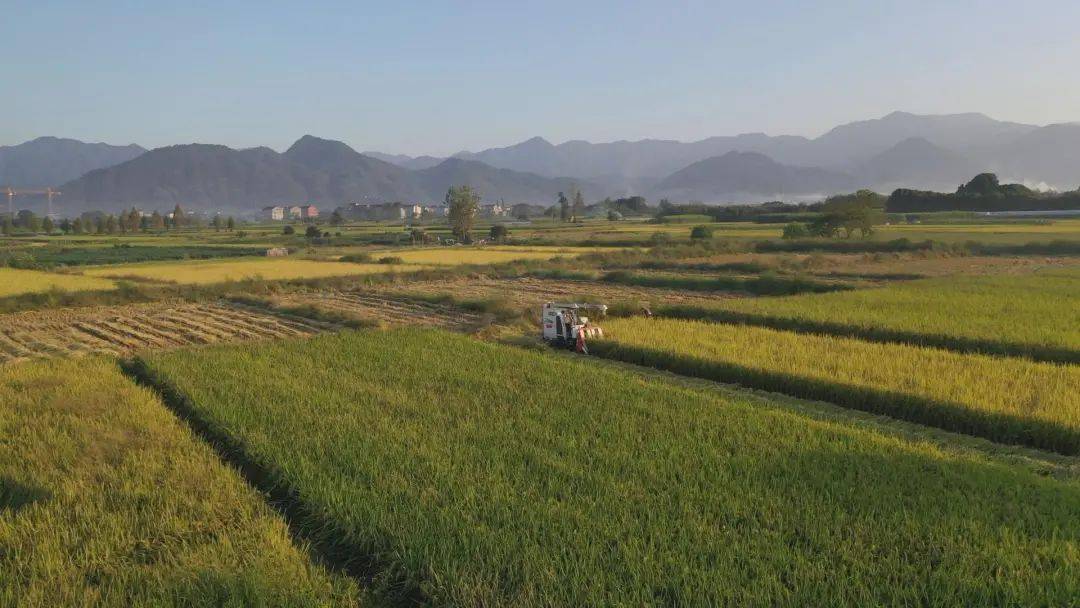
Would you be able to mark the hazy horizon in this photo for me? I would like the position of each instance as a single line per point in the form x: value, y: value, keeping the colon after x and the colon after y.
x: 448, y: 76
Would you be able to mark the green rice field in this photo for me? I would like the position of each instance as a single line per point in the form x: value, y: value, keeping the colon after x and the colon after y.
x: 106, y: 499
x: 1035, y: 315
x: 1005, y: 399
x: 527, y: 478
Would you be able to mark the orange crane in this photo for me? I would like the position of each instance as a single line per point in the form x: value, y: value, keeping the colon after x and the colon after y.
x: 48, y: 192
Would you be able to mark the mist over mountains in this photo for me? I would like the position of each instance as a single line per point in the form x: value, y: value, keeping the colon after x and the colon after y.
x: 898, y: 150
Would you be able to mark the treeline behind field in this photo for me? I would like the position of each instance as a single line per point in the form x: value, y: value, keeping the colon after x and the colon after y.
x: 982, y: 193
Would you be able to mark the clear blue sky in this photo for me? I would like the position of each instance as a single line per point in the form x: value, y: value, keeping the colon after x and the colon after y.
x: 437, y: 77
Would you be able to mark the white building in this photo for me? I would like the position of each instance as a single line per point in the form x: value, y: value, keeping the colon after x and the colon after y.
x: 495, y: 210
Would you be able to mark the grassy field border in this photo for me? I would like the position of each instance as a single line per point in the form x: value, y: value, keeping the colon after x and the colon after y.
x: 960, y: 344
x: 945, y: 415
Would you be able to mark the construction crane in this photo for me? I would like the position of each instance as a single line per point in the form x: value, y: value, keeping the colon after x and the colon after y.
x: 48, y: 192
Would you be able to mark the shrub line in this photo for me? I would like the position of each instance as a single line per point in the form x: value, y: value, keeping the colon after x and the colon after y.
x: 959, y: 344
x: 320, y: 533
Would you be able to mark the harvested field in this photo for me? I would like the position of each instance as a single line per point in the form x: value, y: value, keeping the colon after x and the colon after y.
x: 386, y: 310
x: 456, y: 256
x: 534, y: 291
x: 125, y: 329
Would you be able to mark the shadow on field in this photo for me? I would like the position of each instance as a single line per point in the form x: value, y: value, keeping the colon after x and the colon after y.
x: 15, y: 495
x: 328, y: 543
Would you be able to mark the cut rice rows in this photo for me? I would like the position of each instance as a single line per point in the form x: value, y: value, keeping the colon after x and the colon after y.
x: 120, y: 330
x: 387, y: 311
x: 531, y: 291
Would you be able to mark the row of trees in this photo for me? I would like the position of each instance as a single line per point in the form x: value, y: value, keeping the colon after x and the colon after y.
x: 842, y: 214
x: 982, y: 193
x: 571, y: 211
x: 96, y: 222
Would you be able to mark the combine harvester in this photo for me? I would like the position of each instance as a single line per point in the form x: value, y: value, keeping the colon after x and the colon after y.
x: 565, y: 327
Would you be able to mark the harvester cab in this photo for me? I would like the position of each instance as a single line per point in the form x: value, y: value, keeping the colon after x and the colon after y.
x: 566, y: 326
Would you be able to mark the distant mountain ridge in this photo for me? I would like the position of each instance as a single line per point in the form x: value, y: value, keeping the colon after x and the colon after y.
x: 899, y: 150
x: 51, y: 161
x: 966, y: 142
x: 320, y: 171
x: 749, y: 173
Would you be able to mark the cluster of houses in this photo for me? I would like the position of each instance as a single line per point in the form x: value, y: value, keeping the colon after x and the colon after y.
x: 293, y: 212
x: 377, y: 212
x: 409, y: 211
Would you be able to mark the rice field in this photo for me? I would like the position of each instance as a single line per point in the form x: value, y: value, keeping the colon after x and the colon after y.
x: 106, y: 499
x: 220, y: 271
x: 480, y: 474
x: 533, y: 291
x: 1003, y: 399
x: 15, y: 282
x: 1034, y: 315
x: 987, y: 232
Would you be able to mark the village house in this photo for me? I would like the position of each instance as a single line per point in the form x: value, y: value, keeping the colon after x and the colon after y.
x: 276, y: 213
x: 494, y: 210
x: 380, y: 212
x: 412, y: 211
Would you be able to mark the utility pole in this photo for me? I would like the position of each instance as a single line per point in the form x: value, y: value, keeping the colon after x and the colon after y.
x: 48, y: 192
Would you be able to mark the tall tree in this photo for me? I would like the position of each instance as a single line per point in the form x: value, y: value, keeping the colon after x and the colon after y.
x: 47, y: 225
x: 564, y: 208
x: 157, y: 222
x: 134, y: 219
x: 178, y: 219
x: 462, y: 204
x: 230, y: 224
x: 579, y: 206
x: 77, y: 226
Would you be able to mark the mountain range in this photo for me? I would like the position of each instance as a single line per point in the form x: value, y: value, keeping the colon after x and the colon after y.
x: 842, y: 148
x: 897, y: 150
x: 51, y: 161
x: 323, y: 172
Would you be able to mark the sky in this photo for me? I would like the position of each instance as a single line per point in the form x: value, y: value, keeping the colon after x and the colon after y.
x: 437, y: 77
